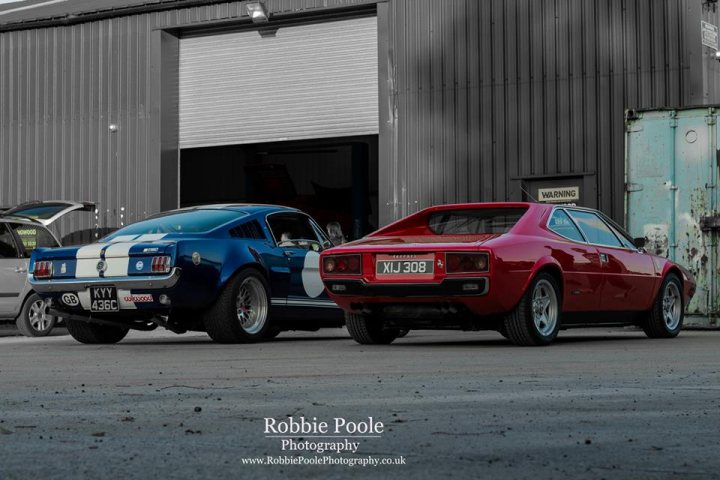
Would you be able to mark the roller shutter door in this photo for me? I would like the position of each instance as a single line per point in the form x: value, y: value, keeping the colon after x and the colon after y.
x: 309, y: 81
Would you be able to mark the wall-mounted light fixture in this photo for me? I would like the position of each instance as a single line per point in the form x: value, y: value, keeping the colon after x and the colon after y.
x: 257, y: 11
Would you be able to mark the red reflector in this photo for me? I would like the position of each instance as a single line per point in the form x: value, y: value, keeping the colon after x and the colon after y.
x: 342, y: 264
x: 161, y: 264
x: 43, y: 269
x: 466, y: 262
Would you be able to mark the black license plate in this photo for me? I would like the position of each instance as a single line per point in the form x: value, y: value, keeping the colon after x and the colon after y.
x: 104, y: 299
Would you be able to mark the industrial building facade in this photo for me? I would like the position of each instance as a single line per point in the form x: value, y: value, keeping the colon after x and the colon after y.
x: 364, y: 109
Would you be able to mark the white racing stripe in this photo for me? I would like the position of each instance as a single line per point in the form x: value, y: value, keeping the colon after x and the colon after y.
x: 150, y: 237
x: 87, y: 259
x: 123, y: 238
x: 117, y: 259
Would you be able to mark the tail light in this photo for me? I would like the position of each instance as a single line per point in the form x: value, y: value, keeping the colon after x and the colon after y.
x: 43, y: 269
x: 342, y: 264
x: 466, y: 262
x: 161, y: 264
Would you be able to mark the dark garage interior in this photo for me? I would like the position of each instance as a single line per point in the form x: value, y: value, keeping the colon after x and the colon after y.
x: 330, y: 179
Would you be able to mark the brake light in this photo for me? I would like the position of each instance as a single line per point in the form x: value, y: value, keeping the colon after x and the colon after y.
x: 43, y: 269
x: 161, y: 264
x: 466, y: 262
x: 342, y: 265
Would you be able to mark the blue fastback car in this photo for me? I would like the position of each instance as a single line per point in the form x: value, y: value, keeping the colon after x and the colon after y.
x: 241, y: 273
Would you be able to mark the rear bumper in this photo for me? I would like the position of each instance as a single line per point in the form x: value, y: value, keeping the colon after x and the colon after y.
x: 129, y: 283
x: 450, y: 287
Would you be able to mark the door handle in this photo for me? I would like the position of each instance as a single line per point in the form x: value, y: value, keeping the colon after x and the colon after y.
x: 20, y: 270
x: 289, y: 253
x: 603, y: 258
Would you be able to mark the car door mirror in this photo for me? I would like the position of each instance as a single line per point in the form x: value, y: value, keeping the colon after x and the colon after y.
x: 639, y: 242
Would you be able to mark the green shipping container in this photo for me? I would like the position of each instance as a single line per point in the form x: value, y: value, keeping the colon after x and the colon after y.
x: 672, y: 199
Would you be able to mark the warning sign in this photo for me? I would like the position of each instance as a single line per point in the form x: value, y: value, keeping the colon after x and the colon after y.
x: 559, y: 195
x: 709, y: 35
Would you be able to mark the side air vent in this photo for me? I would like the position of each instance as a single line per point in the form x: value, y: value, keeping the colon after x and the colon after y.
x: 251, y: 230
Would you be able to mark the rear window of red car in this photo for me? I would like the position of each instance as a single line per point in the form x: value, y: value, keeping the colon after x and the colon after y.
x: 477, y: 221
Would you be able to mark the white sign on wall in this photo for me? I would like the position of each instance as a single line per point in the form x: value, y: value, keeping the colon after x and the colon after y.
x: 709, y: 34
x: 559, y: 194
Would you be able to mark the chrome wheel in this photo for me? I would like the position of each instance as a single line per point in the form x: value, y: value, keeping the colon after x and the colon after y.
x: 252, y: 305
x: 544, y: 308
x: 671, y: 306
x: 40, y: 319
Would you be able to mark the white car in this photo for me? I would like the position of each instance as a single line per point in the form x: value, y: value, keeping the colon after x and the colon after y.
x: 22, y: 229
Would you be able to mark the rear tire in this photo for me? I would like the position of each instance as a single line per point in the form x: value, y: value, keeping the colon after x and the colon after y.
x: 34, y: 319
x: 535, y: 320
x: 665, y: 319
x: 366, y: 330
x: 93, y: 333
x: 241, y: 312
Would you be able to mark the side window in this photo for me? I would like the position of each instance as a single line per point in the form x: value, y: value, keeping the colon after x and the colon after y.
x: 33, y: 236
x: 7, y: 243
x: 249, y: 230
x: 595, y: 230
x: 623, y: 239
x: 294, y: 231
x: 561, y: 224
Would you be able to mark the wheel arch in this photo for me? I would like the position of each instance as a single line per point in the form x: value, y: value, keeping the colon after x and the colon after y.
x: 550, y: 266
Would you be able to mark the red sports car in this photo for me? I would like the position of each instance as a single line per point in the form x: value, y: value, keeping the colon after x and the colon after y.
x: 524, y: 269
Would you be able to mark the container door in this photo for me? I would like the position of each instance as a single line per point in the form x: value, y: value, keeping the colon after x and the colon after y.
x: 672, y: 183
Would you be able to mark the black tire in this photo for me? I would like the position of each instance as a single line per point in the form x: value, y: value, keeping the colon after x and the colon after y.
x: 222, y: 321
x: 656, y: 324
x: 92, y: 333
x: 368, y: 331
x: 502, y: 331
x: 272, y: 332
x: 520, y: 325
x: 34, y: 321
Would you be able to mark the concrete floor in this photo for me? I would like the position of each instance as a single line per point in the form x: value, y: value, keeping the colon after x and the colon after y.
x: 597, y: 404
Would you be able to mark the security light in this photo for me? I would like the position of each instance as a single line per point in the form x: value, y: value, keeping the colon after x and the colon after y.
x: 257, y: 11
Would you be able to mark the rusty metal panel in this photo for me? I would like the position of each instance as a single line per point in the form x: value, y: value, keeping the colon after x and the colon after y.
x: 672, y: 197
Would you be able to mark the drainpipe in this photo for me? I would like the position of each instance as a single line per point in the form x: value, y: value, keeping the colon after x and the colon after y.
x: 712, y: 185
x: 673, y: 188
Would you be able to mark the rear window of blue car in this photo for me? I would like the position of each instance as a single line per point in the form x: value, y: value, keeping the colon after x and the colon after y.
x: 189, y: 221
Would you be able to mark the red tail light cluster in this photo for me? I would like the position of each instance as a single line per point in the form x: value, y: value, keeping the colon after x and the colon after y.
x: 161, y: 264
x: 466, y: 262
x: 342, y: 265
x: 43, y: 269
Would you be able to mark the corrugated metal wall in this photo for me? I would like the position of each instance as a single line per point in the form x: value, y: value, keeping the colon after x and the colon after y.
x: 474, y: 96
x: 484, y: 93
x: 61, y: 88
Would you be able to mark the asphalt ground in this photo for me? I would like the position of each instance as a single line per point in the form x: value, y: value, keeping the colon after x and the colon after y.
x: 596, y: 404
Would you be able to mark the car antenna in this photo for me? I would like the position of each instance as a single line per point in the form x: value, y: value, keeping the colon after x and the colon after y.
x: 528, y: 194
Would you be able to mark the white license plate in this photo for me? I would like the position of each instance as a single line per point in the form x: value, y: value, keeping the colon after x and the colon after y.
x: 405, y: 267
x: 104, y: 299
x: 390, y: 266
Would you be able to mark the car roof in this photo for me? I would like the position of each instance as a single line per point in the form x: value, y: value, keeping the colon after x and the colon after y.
x: 250, y: 208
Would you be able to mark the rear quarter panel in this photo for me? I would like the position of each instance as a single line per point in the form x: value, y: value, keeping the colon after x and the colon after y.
x: 220, y: 259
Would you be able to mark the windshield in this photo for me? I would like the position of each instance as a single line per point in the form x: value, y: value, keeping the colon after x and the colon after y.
x: 476, y: 221
x: 187, y: 221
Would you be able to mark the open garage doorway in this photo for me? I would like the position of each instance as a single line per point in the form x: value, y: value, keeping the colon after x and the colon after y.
x: 333, y: 180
